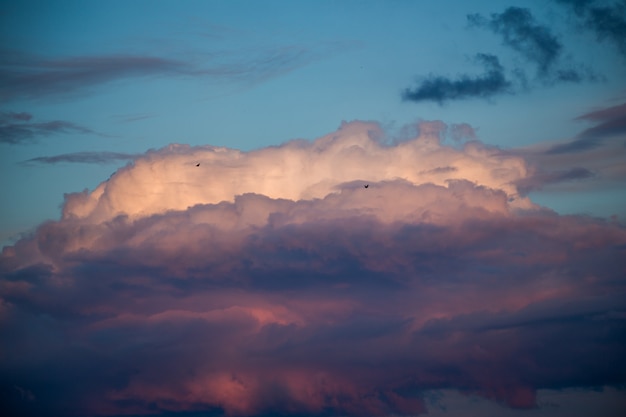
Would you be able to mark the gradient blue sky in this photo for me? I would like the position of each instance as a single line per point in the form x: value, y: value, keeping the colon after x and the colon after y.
x: 247, y: 74
x: 225, y: 258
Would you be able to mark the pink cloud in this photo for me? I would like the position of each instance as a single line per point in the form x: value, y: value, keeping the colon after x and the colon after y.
x: 309, y: 294
x: 169, y: 179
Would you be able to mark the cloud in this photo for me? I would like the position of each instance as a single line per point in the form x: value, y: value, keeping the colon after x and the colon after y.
x: 169, y: 178
x: 29, y: 76
x: 607, y: 21
x: 6, y: 117
x: 129, y: 118
x: 441, y: 89
x: 591, y: 159
x: 519, y: 31
x: 535, y: 42
x: 84, y: 157
x: 259, y: 65
x: 541, y: 179
x: 272, y: 282
x: 462, y: 131
x: 611, y: 123
x: 17, y: 128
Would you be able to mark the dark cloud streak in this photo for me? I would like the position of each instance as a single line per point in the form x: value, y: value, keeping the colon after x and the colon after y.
x: 84, y: 157
x: 540, y: 179
x: 612, y: 123
x: 441, y: 89
x: 17, y: 128
x: 30, y: 76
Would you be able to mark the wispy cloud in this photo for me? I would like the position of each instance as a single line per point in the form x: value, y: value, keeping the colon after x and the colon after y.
x: 97, y: 157
x: 441, y: 89
x: 612, y: 123
x: 540, y: 179
x: 17, y: 128
x: 262, y: 283
x: 31, y: 76
x: 591, y: 159
x: 129, y: 118
x: 520, y: 31
x: 24, y: 75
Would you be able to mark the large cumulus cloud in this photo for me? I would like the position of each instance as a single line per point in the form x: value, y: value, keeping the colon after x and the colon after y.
x: 273, y: 282
x: 169, y: 179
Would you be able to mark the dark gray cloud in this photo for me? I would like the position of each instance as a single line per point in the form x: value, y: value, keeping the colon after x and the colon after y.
x: 96, y: 157
x: 441, y: 89
x: 17, y: 128
x: 607, y: 19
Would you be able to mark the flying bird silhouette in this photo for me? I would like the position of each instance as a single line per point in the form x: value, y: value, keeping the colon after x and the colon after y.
x: 366, y: 185
x: 198, y: 164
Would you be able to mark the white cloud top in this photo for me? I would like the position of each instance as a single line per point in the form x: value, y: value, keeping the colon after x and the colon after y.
x: 168, y: 179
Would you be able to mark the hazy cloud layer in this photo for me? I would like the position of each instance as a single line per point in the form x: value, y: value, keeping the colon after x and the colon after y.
x: 272, y: 282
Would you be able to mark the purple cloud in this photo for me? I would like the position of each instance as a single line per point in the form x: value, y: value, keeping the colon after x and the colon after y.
x: 310, y: 296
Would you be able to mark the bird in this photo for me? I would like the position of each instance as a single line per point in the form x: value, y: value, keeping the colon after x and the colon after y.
x: 198, y: 164
x: 366, y: 185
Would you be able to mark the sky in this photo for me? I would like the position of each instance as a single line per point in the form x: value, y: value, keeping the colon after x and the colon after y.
x: 186, y: 228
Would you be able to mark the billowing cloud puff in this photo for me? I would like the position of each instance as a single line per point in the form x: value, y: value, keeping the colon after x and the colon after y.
x: 169, y: 179
x: 274, y: 282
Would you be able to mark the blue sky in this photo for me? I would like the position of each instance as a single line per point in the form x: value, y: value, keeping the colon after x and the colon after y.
x: 225, y: 238
x: 248, y: 75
